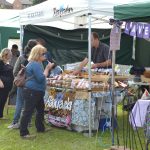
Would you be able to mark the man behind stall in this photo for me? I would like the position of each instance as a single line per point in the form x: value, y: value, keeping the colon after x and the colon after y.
x: 100, y: 55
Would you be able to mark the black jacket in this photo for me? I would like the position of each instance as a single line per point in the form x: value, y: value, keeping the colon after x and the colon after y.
x: 6, y: 75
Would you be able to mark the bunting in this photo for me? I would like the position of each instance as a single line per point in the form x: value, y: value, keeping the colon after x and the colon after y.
x: 141, y: 30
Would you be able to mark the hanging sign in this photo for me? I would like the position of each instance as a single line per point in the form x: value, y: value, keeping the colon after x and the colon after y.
x: 115, y: 36
x: 138, y: 29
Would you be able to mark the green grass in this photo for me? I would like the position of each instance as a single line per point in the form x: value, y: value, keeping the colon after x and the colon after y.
x: 57, y: 139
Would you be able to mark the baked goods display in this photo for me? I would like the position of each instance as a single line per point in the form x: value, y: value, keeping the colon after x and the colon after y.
x: 67, y: 80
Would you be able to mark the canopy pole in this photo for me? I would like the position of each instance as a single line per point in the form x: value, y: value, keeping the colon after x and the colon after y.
x: 89, y: 71
x: 113, y: 91
x: 21, y: 39
x: 115, y: 36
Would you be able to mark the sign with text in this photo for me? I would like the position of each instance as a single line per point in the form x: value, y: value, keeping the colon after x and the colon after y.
x: 115, y: 36
x: 140, y: 30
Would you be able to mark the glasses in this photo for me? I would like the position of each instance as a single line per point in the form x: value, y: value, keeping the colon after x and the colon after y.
x: 43, y: 54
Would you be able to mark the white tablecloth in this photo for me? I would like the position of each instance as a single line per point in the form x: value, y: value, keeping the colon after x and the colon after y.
x: 138, y: 113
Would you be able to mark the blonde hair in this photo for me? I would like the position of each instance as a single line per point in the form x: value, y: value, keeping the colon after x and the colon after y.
x: 4, y: 53
x: 36, y: 52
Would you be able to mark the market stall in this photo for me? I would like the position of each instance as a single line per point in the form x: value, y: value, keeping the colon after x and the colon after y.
x: 59, y: 12
x: 66, y: 100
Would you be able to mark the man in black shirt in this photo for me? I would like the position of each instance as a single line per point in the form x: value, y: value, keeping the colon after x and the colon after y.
x: 100, y: 55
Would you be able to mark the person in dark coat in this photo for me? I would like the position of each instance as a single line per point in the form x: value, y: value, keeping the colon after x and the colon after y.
x: 6, y: 78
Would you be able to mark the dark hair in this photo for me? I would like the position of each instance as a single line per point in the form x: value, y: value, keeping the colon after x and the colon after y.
x: 14, y: 46
x: 31, y: 43
x: 95, y: 35
x: 14, y: 50
x: 41, y: 41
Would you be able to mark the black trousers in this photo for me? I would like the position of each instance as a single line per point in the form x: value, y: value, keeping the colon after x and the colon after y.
x: 3, y: 98
x: 32, y: 100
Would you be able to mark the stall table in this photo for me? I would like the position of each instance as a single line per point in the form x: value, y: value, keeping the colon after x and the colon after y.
x: 68, y: 101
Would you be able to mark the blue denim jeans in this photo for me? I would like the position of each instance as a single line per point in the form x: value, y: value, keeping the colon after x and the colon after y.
x: 19, y: 104
x: 33, y: 100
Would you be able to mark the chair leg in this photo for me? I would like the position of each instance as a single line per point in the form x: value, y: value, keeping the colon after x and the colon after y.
x: 7, y: 106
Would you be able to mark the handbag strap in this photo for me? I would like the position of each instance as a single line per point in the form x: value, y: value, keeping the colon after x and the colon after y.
x: 29, y: 78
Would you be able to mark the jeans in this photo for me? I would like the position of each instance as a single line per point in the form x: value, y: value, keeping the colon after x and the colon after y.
x: 19, y: 104
x: 32, y: 100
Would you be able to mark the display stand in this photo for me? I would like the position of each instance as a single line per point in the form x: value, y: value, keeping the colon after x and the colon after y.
x: 66, y: 90
x: 74, y: 115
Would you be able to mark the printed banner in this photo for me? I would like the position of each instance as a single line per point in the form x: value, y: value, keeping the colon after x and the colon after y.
x: 141, y: 30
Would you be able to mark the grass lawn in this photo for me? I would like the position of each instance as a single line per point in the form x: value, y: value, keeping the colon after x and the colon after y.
x: 60, y: 139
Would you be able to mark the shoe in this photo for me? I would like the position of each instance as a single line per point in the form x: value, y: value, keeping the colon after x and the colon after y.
x: 14, y: 126
x: 29, y: 137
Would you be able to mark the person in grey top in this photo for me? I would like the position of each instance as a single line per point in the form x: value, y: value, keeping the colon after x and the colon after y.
x: 100, y: 55
x: 15, y: 55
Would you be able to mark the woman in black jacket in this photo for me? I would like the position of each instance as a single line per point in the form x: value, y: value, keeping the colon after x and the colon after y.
x: 6, y: 78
